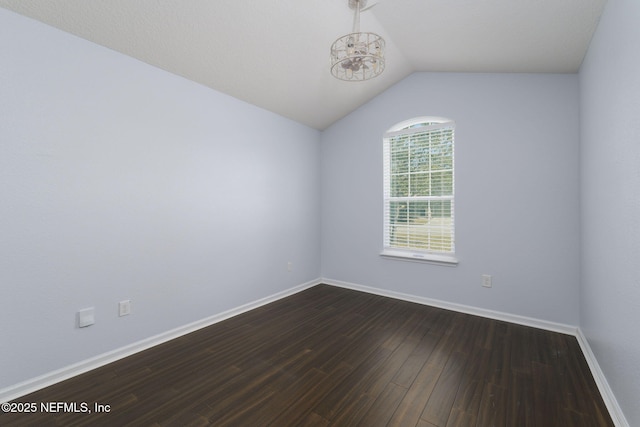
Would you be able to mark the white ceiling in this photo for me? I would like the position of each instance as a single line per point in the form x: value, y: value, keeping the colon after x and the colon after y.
x: 275, y: 53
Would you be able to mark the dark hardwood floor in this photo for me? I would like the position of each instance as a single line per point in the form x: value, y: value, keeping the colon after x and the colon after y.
x: 329, y: 356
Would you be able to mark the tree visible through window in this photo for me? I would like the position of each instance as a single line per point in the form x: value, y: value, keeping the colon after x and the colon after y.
x: 419, y: 187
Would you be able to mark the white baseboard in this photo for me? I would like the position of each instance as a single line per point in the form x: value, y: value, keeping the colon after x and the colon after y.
x: 496, y: 315
x: 607, y: 394
x: 17, y: 390
x: 603, y: 386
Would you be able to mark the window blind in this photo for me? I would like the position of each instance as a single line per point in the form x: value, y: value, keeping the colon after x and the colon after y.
x: 419, y: 188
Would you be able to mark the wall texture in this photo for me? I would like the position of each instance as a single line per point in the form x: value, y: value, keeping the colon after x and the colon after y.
x: 517, y: 204
x: 610, y: 200
x: 121, y: 181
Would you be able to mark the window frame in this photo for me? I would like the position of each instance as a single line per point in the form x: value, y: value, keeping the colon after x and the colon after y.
x: 414, y: 126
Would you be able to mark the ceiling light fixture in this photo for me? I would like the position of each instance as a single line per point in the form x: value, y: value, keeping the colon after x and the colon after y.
x: 357, y: 56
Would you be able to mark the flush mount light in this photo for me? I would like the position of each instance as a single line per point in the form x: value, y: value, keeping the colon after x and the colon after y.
x: 357, y: 56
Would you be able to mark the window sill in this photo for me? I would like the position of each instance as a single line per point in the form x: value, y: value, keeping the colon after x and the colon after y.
x: 447, y: 260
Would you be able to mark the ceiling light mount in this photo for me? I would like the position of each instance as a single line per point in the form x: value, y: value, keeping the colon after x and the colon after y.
x: 357, y: 56
x: 355, y: 4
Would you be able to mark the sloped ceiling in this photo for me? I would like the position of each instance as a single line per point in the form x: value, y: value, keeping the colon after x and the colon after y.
x: 274, y: 53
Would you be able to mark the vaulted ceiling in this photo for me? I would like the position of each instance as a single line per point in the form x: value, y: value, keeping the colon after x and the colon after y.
x: 275, y: 53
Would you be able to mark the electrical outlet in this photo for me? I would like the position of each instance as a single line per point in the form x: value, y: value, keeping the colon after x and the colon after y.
x: 290, y: 266
x: 124, y: 308
x: 486, y: 280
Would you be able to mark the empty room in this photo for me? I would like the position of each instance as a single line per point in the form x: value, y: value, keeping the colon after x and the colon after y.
x: 321, y: 213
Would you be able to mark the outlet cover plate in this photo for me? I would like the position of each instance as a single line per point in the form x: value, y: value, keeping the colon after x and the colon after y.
x: 86, y: 317
x: 486, y: 280
x: 124, y: 308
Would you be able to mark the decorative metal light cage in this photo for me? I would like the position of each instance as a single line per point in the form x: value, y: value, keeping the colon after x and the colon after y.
x: 357, y: 56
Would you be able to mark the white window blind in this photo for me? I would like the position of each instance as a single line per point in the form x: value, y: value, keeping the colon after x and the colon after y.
x: 419, y: 189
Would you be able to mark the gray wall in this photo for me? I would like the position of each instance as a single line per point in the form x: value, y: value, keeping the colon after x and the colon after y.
x: 121, y: 181
x: 517, y: 186
x: 610, y: 199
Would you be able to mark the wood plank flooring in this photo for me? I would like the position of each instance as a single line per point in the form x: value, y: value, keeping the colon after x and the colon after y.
x: 329, y: 356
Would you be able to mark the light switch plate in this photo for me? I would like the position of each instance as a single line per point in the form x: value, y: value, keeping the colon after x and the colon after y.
x: 124, y: 308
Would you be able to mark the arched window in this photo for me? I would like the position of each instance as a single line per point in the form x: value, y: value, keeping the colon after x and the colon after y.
x: 419, y: 190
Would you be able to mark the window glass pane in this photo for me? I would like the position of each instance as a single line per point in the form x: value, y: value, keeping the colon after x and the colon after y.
x: 419, y: 153
x: 421, y: 184
x: 417, y: 212
x: 440, y: 208
x: 441, y: 153
x: 400, y: 185
x: 399, y: 155
x: 398, y: 212
x: 441, y: 183
x: 399, y: 236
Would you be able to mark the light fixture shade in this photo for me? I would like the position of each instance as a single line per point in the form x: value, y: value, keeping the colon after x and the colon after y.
x: 357, y: 56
